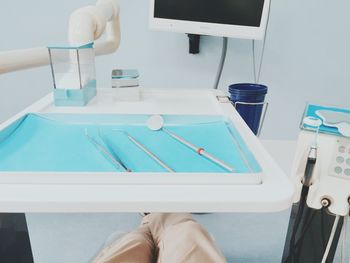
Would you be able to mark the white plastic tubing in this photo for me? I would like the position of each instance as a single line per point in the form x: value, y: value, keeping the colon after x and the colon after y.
x: 86, y: 25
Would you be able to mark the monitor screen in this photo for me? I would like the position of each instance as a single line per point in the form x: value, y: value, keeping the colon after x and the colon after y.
x: 226, y: 18
x: 229, y: 12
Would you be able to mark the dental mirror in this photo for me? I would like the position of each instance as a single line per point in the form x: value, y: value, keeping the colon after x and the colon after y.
x: 155, y: 123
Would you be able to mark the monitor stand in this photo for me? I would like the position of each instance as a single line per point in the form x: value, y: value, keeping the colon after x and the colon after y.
x: 194, y: 41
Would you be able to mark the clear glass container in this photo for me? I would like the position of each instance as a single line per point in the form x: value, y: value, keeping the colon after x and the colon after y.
x: 73, y: 73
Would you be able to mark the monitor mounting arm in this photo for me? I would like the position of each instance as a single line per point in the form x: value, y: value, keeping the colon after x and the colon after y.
x: 194, y: 42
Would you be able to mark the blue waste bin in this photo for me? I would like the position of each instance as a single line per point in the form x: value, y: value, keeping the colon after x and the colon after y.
x: 249, y: 100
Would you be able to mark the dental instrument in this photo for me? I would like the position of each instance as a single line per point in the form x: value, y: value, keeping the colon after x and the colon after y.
x: 156, y: 122
x: 148, y: 152
x: 106, y: 153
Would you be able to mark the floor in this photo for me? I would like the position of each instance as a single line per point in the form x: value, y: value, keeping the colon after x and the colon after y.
x: 74, y: 238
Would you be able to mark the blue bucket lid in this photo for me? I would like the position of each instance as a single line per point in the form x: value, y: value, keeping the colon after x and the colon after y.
x: 247, y: 89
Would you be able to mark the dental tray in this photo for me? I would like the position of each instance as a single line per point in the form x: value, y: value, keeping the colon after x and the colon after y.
x: 49, y: 164
x: 57, y: 142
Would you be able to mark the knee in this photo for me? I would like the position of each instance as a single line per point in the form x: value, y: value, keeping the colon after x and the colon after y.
x: 138, y: 239
x: 193, y: 232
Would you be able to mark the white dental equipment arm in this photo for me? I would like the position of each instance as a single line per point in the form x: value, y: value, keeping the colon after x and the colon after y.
x: 86, y: 25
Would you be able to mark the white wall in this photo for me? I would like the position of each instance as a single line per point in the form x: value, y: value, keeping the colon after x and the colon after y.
x: 306, y: 58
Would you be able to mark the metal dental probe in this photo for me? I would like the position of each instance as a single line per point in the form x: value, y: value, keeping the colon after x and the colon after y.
x: 106, y: 152
x: 200, y: 151
x: 148, y: 152
x: 156, y: 122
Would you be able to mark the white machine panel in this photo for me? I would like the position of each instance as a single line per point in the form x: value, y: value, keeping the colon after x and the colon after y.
x: 340, y: 166
x: 331, y: 178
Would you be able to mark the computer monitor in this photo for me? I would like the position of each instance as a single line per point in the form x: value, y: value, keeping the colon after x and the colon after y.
x: 227, y: 18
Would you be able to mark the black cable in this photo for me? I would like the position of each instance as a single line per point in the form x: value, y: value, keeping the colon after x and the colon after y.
x: 308, y: 173
x: 298, y: 219
x: 324, y: 242
x: 299, y: 216
x: 308, y: 219
x: 296, y: 247
x: 306, y: 227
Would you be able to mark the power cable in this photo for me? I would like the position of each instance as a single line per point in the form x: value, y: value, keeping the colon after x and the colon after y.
x: 298, y: 217
x: 331, y: 238
x: 221, y: 63
x: 344, y: 231
x: 257, y: 74
x: 307, y: 223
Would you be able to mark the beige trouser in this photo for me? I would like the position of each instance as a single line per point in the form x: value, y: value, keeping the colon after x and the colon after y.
x: 163, y: 238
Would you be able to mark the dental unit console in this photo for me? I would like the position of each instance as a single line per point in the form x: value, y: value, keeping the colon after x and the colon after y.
x: 327, y: 141
x: 321, y: 174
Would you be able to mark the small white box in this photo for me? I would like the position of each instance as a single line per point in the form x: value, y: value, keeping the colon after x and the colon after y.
x: 125, y: 84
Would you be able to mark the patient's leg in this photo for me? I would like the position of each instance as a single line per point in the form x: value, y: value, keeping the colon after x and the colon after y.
x: 134, y: 247
x: 180, y: 239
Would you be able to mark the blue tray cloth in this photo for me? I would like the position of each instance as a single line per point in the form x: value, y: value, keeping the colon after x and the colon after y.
x: 57, y: 143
